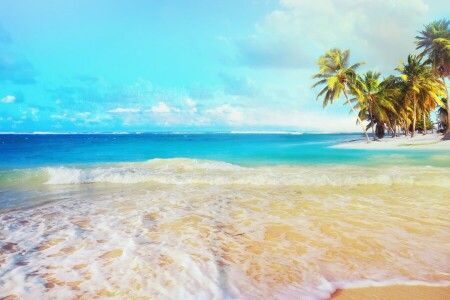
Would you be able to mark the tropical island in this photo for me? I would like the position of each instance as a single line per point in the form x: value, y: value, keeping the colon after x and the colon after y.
x: 397, y: 104
x: 173, y: 150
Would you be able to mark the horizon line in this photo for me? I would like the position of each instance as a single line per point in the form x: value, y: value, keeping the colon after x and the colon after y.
x: 174, y: 132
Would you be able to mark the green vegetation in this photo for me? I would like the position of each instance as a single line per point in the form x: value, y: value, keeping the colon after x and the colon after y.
x: 338, y: 77
x: 394, y: 103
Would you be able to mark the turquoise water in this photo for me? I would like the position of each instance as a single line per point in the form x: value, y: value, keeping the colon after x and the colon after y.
x: 37, y: 150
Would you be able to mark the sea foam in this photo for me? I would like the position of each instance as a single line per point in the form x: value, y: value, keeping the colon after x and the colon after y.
x: 189, y: 171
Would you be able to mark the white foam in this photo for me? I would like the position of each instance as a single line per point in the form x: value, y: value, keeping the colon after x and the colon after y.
x: 216, y: 241
x: 191, y: 171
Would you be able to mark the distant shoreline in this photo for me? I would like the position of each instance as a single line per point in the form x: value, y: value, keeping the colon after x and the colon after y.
x: 431, y: 141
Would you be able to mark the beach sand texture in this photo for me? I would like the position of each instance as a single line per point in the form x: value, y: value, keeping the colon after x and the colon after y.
x: 395, y: 292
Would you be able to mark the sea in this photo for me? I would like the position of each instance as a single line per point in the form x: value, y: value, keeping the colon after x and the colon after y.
x: 231, y: 215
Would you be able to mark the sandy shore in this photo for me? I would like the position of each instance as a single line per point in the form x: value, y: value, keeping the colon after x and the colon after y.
x: 397, y: 292
x: 423, y: 142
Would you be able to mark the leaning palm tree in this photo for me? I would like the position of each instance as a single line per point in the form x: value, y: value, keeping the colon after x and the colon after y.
x: 418, y: 82
x: 338, y: 78
x: 435, y: 42
x: 374, y: 103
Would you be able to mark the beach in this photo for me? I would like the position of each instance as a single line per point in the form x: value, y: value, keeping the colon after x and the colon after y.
x: 198, y: 150
x: 430, y: 141
x: 398, y: 292
x: 191, y: 228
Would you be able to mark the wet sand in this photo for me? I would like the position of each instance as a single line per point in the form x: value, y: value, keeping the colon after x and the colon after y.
x: 397, y: 292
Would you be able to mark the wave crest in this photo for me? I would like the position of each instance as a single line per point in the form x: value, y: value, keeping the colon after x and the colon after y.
x: 190, y: 171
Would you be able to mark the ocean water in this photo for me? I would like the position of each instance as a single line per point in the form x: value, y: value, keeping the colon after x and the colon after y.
x: 217, y: 216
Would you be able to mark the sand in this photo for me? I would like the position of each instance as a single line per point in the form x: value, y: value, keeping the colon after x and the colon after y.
x: 431, y: 141
x: 395, y: 292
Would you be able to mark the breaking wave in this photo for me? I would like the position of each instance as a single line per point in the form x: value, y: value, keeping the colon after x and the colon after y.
x: 190, y: 171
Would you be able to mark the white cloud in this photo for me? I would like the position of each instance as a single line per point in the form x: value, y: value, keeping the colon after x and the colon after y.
x: 162, y: 107
x: 192, y: 105
x: 8, y: 99
x: 190, y: 102
x: 83, y: 114
x: 300, y: 120
x: 282, y: 100
x: 226, y: 113
x: 33, y: 111
x: 379, y: 32
x: 59, y: 117
x: 124, y: 110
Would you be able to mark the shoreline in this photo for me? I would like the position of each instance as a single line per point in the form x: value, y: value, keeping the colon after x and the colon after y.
x: 431, y: 141
x: 398, y: 292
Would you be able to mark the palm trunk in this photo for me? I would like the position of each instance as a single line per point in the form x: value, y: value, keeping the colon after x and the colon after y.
x: 414, y: 115
x: 357, y: 117
x: 448, y: 106
x: 371, y: 120
x: 447, y: 132
x: 424, y: 125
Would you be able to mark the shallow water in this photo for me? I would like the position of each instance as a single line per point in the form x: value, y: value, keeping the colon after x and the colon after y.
x: 185, y: 228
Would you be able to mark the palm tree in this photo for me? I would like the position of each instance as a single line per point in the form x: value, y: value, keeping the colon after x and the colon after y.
x: 401, y: 115
x: 425, y: 122
x: 426, y: 104
x: 338, y: 77
x: 417, y: 83
x: 374, y: 103
x: 435, y: 41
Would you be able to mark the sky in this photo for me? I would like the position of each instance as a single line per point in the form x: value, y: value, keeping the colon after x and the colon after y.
x: 191, y: 65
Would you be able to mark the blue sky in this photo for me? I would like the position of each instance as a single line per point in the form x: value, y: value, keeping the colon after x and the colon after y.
x: 109, y: 65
